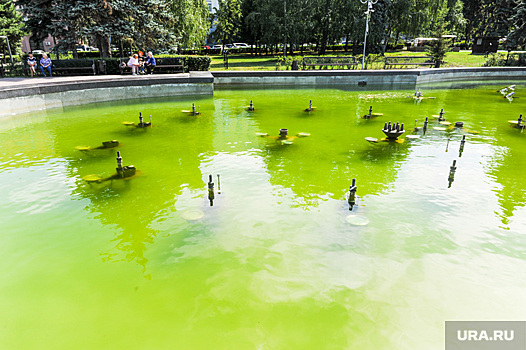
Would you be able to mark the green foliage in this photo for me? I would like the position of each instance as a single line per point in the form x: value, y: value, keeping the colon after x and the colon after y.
x: 38, y: 18
x: 72, y: 63
x: 517, y: 37
x: 498, y: 22
x: 488, y: 17
x: 145, y: 23
x: 87, y: 54
x: 197, y: 63
x: 191, y: 23
x: 11, y: 25
x: 439, y: 48
x: 495, y: 60
x: 227, y: 19
x: 374, y: 61
x: 112, y: 65
x: 500, y: 59
x: 286, y: 63
x: 455, y: 20
x: 378, y: 26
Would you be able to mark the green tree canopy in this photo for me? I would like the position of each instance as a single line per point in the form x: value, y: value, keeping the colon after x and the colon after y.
x: 11, y: 25
x: 147, y: 24
x: 228, y: 20
x: 190, y: 21
x: 517, y: 37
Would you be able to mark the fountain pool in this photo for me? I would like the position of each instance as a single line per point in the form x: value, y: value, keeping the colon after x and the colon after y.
x: 279, y: 261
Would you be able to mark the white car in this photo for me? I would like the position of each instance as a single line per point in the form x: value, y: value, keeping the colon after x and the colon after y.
x: 38, y: 52
x: 217, y: 47
x: 241, y: 45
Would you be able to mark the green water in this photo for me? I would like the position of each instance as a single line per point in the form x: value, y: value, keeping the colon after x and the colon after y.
x: 274, y: 263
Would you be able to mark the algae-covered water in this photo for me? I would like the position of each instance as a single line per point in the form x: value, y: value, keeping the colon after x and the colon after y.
x: 279, y: 261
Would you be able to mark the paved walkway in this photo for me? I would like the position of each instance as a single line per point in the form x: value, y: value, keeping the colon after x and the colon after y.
x: 19, y: 87
x: 15, y: 83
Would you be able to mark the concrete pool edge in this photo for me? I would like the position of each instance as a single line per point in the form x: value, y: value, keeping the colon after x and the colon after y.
x: 22, y: 95
x: 26, y: 95
x: 362, y: 80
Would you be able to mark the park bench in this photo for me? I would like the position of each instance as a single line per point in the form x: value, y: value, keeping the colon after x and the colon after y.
x: 324, y: 62
x: 71, y: 67
x: 408, y: 61
x: 163, y: 65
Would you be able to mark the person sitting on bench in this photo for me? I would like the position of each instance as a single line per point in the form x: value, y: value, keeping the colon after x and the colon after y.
x: 150, y: 63
x: 45, y: 63
x: 134, y: 64
x: 32, y: 63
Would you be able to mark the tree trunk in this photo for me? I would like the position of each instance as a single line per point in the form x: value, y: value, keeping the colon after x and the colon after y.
x: 386, y: 40
x: 323, y: 46
x: 354, y: 47
x: 75, y: 53
x: 106, y: 47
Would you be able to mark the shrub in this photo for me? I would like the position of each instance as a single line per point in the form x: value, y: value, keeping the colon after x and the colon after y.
x: 112, y: 64
x: 88, y: 54
x: 197, y: 63
x: 286, y: 63
x: 502, y: 60
x: 495, y: 60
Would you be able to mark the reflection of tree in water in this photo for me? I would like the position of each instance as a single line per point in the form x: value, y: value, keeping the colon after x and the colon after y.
x: 504, y: 168
x: 380, y: 163
x: 168, y: 158
x: 314, y: 171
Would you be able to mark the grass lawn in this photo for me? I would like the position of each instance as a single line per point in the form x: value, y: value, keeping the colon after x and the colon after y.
x: 259, y: 63
x: 244, y: 62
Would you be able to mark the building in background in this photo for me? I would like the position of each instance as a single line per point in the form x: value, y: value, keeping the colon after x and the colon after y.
x: 29, y: 44
x: 212, y: 4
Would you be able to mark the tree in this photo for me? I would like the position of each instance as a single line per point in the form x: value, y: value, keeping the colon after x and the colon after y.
x: 354, y: 24
x: 329, y: 22
x: 378, y: 26
x: 456, y: 23
x: 146, y: 23
x: 227, y: 20
x: 190, y: 21
x: 473, y: 13
x: 439, y: 47
x: 38, y: 18
x: 498, y: 19
x: 517, y: 37
x: 11, y: 24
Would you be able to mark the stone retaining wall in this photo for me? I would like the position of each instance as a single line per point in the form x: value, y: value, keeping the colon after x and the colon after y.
x: 27, y: 95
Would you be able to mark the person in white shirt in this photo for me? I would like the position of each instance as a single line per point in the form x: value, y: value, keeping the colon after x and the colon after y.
x: 32, y: 63
x: 134, y: 64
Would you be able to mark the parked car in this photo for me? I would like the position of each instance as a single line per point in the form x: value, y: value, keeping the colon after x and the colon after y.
x: 38, y: 52
x: 215, y: 47
x: 241, y: 45
x: 86, y: 48
x: 205, y: 47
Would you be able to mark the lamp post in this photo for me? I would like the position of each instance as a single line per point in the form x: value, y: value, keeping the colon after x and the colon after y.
x: 8, y: 47
x: 370, y: 4
x: 285, y: 32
